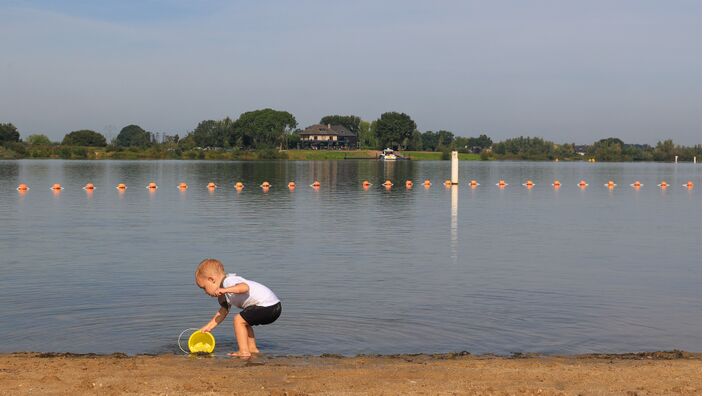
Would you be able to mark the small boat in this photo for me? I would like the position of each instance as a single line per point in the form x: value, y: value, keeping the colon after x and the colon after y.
x: 388, y: 155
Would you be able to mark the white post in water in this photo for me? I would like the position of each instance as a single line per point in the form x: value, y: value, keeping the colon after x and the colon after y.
x: 455, y: 169
x: 676, y: 158
x: 695, y: 160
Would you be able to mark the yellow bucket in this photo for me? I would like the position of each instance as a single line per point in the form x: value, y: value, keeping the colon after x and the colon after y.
x: 201, y: 342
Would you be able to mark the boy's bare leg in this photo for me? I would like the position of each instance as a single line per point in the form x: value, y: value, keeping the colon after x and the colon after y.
x: 251, y: 341
x: 242, y: 336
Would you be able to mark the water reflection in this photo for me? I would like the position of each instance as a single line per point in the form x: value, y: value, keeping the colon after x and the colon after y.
x: 453, y: 222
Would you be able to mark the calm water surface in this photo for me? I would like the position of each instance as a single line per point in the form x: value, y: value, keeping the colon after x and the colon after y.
x: 399, y: 271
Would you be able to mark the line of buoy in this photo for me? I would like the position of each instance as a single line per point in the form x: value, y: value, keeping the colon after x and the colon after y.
x: 366, y: 184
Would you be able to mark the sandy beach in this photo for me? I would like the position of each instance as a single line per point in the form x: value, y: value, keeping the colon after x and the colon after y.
x: 631, y: 374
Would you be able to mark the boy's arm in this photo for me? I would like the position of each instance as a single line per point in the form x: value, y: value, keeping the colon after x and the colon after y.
x: 216, y: 320
x: 239, y: 288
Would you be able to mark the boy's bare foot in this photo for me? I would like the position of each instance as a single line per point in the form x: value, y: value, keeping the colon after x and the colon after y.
x: 254, y: 351
x: 239, y: 354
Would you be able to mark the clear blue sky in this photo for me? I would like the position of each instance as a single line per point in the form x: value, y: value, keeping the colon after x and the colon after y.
x: 568, y: 71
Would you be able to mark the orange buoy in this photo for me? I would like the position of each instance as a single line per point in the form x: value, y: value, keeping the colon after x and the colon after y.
x: 529, y: 184
x: 265, y: 184
x: 556, y: 183
x: 473, y: 183
x: 182, y: 186
x: 689, y: 184
x: 502, y: 183
x: 663, y: 184
x: 56, y: 187
x: 89, y: 187
x: 387, y: 184
x: 427, y: 183
x: 636, y: 184
x: 316, y: 184
x: 121, y: 186
x: 291, y: 185
x: 366, y: 184
x: 22, y: 187
x: 152, y: 186
x: 239, y: 185
x: 409, y: 184
x: 610, y: 184
x: 582, y: 184
x: 212, y: 186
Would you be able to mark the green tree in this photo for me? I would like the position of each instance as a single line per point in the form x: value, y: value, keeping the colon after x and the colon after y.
x: 84, y: 137
x: 610, y: 149
x: 207, y: 134
x: 264, y: 128
x: 38, y: 140
x: 430, y: 141
x: 461, y: 143
x: 483, y: 142
x: 526, y: 148
x: 393, y: 128
x: 665, y: 151
x: 350, y: 122
x: 133, y: 136
x: 8, y: 133
x: 445, y: 138
x: 367, y: 134
x: 416, y: 141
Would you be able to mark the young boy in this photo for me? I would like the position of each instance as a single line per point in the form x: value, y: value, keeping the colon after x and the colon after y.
x: 259, y: 305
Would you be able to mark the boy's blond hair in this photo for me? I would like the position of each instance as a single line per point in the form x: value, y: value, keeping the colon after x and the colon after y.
x: 209, y: 267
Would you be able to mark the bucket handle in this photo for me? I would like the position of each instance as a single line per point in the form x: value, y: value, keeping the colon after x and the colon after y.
x: 179, y: 340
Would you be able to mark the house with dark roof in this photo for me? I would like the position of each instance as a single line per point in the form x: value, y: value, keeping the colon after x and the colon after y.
x: 327, y: 136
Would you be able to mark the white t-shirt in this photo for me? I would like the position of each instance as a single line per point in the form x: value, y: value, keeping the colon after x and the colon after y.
x: 258, y: 294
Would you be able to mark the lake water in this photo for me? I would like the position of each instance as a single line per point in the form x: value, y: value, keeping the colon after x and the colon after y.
x: 486, y: 270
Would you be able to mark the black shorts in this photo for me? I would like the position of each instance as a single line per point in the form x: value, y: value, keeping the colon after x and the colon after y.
x: 256, y: 315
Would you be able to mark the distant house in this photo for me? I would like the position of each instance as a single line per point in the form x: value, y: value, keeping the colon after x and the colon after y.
x: 327, y: 136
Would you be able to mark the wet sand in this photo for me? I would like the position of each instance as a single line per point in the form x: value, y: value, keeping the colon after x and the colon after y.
x: 629, y: 374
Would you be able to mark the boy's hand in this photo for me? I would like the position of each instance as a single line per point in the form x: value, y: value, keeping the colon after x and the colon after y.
x: 207, y: 328
x: 220, y: 292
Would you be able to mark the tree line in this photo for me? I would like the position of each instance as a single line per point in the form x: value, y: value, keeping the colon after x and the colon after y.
x: 270, y: 131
